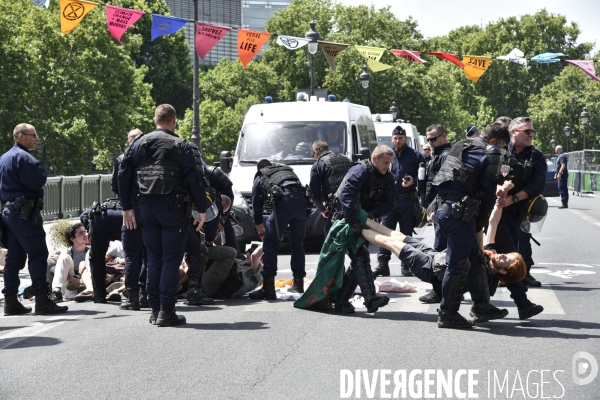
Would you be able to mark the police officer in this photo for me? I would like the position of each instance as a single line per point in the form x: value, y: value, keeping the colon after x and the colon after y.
x: 405, y: 167
x: 562, y: 176
x: 22, y: 192
x: 166, y: 172
x: 278, y: 186
x: 466, y: 180
x: 326, y: 175
x: 368, y: 185
x: 528, y: 173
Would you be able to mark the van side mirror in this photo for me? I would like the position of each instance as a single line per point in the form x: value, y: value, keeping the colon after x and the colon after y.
x: 363, y: 154
x: 226, y: 161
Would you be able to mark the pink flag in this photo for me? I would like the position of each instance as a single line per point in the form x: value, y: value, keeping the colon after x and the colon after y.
x: 207, y: 36
x: 120, y: 19
x: 410, y: 55
x: 587, y: 66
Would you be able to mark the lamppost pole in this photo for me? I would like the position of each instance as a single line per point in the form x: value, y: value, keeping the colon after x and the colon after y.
x: 365, y: 79
x: 394, y: 111
x: 585, y: 117
x: 196, y: 101
x: 552, y: 145
x: 313, y: 46
x: 567, y: 134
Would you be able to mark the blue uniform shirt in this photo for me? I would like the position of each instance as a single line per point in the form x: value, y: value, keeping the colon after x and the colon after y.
x: 318, y: 169
x: 21, y: 175
x: 537, y: 184
x: 356, y: 178
x: 562, y: 159
x: 258, y: 205
x: 406, y: 162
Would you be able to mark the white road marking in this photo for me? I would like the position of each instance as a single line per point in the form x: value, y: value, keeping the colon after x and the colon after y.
x: 35, y: 329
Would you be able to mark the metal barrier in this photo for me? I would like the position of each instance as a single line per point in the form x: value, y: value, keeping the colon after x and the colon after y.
x: 71, y: 195
x: 584, y: 170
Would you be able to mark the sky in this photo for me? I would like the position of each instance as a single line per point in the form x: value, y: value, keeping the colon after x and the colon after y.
x: 438, y: 17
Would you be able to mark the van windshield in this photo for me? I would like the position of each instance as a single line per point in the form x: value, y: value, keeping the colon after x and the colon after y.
x: 289, y: 142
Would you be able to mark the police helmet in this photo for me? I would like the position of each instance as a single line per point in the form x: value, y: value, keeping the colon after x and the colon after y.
x: 212, y: 211
x: 420, y: 214
x: 536, y: 210
x: 304, y: 149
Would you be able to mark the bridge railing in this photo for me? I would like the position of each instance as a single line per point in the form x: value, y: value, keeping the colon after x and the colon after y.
x: 71, y: 195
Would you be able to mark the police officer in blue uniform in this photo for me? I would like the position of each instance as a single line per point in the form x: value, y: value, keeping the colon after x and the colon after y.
x: 279, y: 187
x: 405, y: 168
x: 368, y: 185
x: 166, y: 172
x: 22, y: 192
x: 562, y: 176
x: 326, y: 175
x: 465, y: 182
x: 528, y: 173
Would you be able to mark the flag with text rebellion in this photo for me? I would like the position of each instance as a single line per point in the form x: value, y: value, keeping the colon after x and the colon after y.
x: 332, y: 50
x: 373, y: 55
x: 587, y: 66
x: 207, y: 36
x: 476, y: 66
x: 410, y: 55
x: 163, y: 25
x: 72, y: 12
x: 120, y: 19
x: 249, y: 43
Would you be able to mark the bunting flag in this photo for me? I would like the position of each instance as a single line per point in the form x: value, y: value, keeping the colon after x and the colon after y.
x: 291, y: 42
x: 515, y: 56
x: 249, y: 43
x: 476, y: 66
x: 373, y: 55
x: 587, y: 66
x: 72, y: 12
x: 331, y: 51
x: 163, y: 25
x: 41, y: 3
x: 207, y: 36
x: 546, y: 58
x: 409, y: 55
x: 447, y: 56
x: 120, y: 19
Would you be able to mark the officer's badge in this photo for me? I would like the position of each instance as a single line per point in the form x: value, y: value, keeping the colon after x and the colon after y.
x: 505, y: 170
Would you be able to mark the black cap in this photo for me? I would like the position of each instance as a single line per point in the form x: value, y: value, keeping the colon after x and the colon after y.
x: 471, y: 130
x: 398, y: 131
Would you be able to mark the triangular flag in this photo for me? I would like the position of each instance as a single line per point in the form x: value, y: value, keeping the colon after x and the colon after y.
x: 331, y: 51
x: 515, y: 56
x: 587, y: 66
x: 377, y: 66
x: 249, y: 43
x: 291, y: 42
x: 546, y: 58
x: 207, y: 36
x: 120, y: 19
x: 163, y: 25
x: 72, y: 12
x: 41, y: 3
x: 373, y: 55
x: 410, y: 55
x: 475, y: 66
x: 447, y: 56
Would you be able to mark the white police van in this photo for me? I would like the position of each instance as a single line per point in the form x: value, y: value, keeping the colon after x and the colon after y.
x: 384, y: 126
x: 284, y: 133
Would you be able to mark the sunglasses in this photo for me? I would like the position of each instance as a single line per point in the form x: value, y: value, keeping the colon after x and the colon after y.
x: 433, y: 139
x: 426, y: 149
x: 528, y: 132
x: 31, y: 134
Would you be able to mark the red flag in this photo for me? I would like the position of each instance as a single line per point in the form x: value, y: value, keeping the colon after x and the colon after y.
x: 447, y: 56
x: 410, y: 55
x: 120, y: 19
x: 587, y: 66
x: 207, y: 36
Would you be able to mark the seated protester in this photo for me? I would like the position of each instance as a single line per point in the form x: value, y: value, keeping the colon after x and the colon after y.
x: 115, y: 253
x: 250, y: 269
x: 51, y: 262
x: 71, y: 270
x: 429, y: 265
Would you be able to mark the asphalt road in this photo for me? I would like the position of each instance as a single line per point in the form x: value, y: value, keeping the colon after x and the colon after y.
x: 241, y: 349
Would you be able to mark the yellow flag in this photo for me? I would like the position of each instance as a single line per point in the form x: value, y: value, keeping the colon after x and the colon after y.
x: 72, y: 12
x: 475, y: 66
x: 373, y: 55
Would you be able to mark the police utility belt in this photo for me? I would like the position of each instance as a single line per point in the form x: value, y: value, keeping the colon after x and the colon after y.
x: 464, y: 208
x: 26, y: 206
x: 411, y: 195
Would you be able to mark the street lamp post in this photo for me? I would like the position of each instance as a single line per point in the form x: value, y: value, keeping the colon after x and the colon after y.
x: 552, y: 145
x: 196, y: 124
x: 365, y: 79
x: 313, y: 46
x: 394, y: 111
x: 585, y: 117
x: 567, y: 134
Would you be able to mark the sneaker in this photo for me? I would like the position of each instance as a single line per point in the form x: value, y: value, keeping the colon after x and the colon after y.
x: 406, y: 271
x: 56, y: 295
x: 430, y: 298
x: 531, y: 281
x: 487, y: 312
x: 114, y: 296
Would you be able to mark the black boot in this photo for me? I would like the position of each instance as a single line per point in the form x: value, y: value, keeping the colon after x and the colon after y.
x: 448, y: 316
x: 430, y: 298
x: 267, y: 292
x: 144, y: 298
x: 133, y: 302
x: 45, y: 306
x: 482, y: 310
x: 526, y: 308
x: 195, y: 297
x: 486, y: 312
x: 168, y: 317
x: 343, y: 296
x: 383, y: 268
x: 12, y: 306
x: 298, y: 286
x: 100, y: 296
x: 453, y: 321
x: 564, y: 205
x: 154, y: 316
x: 530, y: 281
x: 364, y: 277
x: 405, y: 271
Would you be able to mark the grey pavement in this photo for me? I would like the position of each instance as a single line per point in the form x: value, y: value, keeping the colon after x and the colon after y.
x: 243, y: 349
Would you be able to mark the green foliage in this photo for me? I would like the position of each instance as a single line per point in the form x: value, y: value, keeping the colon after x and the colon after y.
x: 57, y: 234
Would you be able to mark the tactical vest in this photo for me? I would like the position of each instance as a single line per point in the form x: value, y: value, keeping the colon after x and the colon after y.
x: 520, y: 172
x: 433, y: 166
x: 372, y: 194
x: 337, y: 168
x: 158, y: 171
x: 272, y: 180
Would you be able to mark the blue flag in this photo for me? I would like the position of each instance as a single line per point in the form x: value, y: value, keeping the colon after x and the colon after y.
x: 547, y: 58
x: 41, y: 3
x: 162, y: 25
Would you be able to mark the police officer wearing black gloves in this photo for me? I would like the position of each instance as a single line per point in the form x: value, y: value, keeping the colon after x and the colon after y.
x: 279, y: 187
x: 166, y: 172
x: 405, y: 167
x: 368, y: 185
x: 466, y: 182
x: 21, y: 190
x: 326, y: 175
x: 528, y: 173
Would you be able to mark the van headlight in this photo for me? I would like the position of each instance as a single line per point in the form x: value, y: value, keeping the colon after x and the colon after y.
x: 238, y: 200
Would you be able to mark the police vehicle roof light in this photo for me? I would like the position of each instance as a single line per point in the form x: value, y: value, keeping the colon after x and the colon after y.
x: 331, y: 97
x: 400, y: 121
x: 301, y: 96
x: 346, y: 101
x: 268, y: 99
